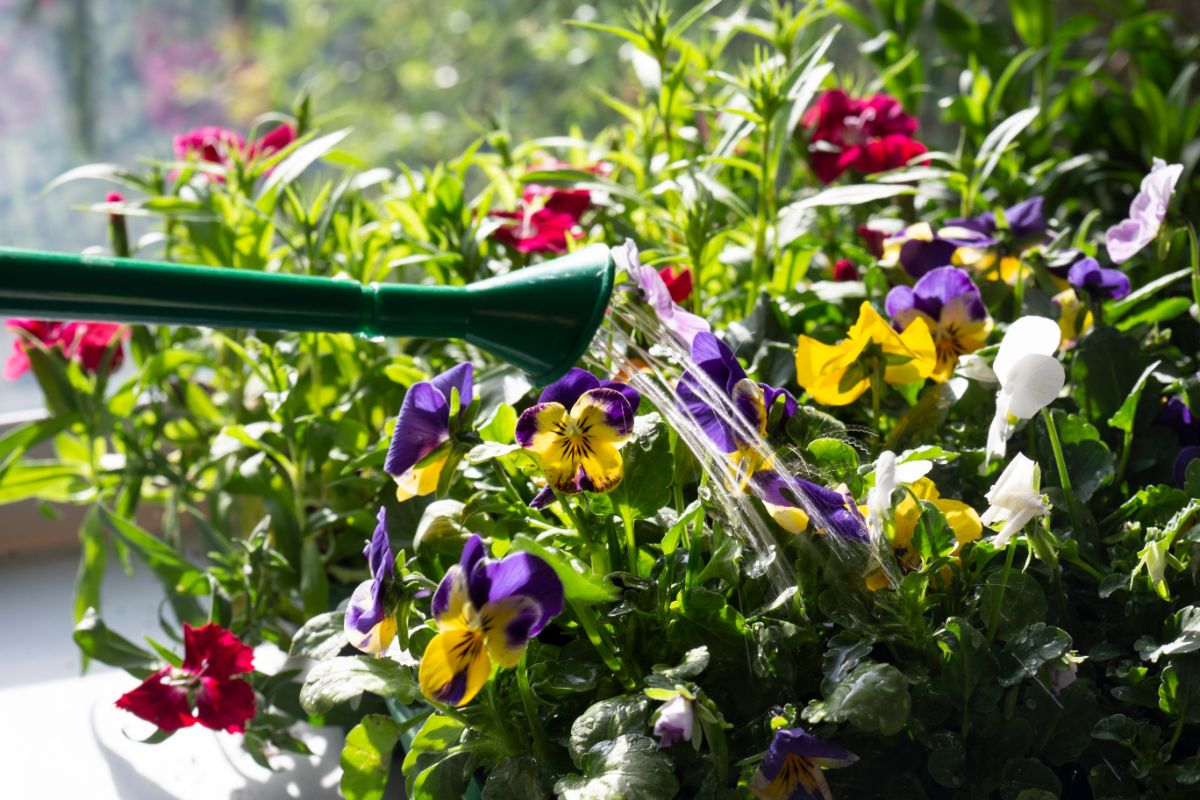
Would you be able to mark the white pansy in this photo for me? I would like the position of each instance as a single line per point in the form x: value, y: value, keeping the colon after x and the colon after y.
x: 1030, y: 378
x: 1015, y: 498
x: 890, y: 473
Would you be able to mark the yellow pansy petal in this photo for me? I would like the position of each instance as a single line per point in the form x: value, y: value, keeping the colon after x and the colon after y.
x: 877, y: 581
x: 419, y: 481
x: 539, y: 429
x: 963, y: 520
x: 455, y: 666
x: 601, y: 467
x: 602, y: 415
x: 820, y: 368
x: 791, y: 519
x: 506, y: 624
x: 916, y: 342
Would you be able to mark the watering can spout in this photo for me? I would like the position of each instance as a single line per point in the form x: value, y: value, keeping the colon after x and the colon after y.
x: 540, y: 319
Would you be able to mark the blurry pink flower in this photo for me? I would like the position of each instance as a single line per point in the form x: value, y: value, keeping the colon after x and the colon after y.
x: 84, y: 342
x: 215, y: 145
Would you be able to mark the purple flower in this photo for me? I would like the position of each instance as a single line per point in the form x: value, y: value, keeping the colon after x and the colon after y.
x: 723, y: 390
x: 486, y: 611
x: 1186, y: 456
x: 918, y: 249
x: 949, y: 302
x: 1176, y: 415
x: 676, y: 721
x: 791, y: 769
x: 369, y: 624
x: 423, y: 427
x: 654, y: 292
x: 1025, y: 220
x: 794, y: 503
x: 575, y: 430
x: 1146, y: 213
x: 1086, y: 275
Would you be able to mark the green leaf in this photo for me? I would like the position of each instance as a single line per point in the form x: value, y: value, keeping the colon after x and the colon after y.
x: 435, y: 765
x: 605, y: 721
x: 1020, y: 605
x: 340, y: 679
x: 852, y: 195
x: 694, y: 662
x: 1116, y: 728
x: 933, y: 537
x: 503, y: 425
x: 1163, y: 310
x: 1030, y: 649
x: 842, y: 654
x: 441, y: 522
x: 93, y: 559
x: 647, y: 467
x: 1033, y: 20
x: 300, y: 160
x: 872, y: 697
x: 314, y: 583
x: 1028, y: 779
x: 1106, y: 367
x: 834, y: 458
x: 367, y: 757
x: 999, y: 140
x: 97, y: 641
x: 321, y: 638
x: 580, y: 584
x: 1181, y: 635
x: 515, y: 779
x: 631, y: 767
x: 1124, y: 418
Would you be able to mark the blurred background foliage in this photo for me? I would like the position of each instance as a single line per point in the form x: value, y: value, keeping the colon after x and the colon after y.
x: 419, y: 80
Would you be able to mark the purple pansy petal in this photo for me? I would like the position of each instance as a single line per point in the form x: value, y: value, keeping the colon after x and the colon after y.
x: 473, y: 564
x: 717, y: 361
x: 1087, y: 275
x: 526, y: 575
x: 452, y: 693
x: 453, y: 583
x: 1027, y: 219
x: 460, y: 377
x: 938, y: 287
x: 542, y: 499
x: 1186, y: 456
x: 692, y: 396
x: 618, y: 414
x: 422, y: 425
x: 919, y: 257
x: 365, y: 609
x: 899, y: 300
x: 567, y: 389
x: 631, y: 395
x: 1178, y: 417
x: 827, y: 509
x: 799, y: 742
x: 379, y: 551
x: 771, y: 394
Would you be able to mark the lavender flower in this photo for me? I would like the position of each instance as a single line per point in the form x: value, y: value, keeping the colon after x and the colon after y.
x: 1146, y: 212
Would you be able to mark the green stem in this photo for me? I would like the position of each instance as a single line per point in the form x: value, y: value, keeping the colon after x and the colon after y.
x: 1194, y: 257
x: 1064, y: 476
x: 540, y: 749
x: 762, y: 220
x: 1010, y: 553
x: 598, y: 554
x: 630, y: 541
x: 607, y: 654
x: 509, y: 487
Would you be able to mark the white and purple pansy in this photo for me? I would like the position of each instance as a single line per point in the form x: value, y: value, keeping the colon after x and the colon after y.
x: 576, y: 429
x: 486, y: 611
x: 796, y: 504
x: 420, y: 449
x: 1088, y: 277
x: 653, y: 291
x: 792, y: 767
x: 1146, y: 212
x: 723, y: 389
x: 370, y: 625
x: 949, y: 302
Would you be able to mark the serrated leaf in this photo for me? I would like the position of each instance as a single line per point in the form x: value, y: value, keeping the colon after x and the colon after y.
x: 605, y: 721
x: 321, y: 638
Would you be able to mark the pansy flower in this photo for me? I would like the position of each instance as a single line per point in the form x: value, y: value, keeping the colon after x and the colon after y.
x: 991, y: 250
x: 652, y: 289
x: 1015, y: 499
x: 203, y: 689
x: 486, y: 611
x: 86, y: 343
x: 1177, y: 416
x: 1146, y: 213
x: 1030, y: 378
x: 370, y: 625
x: 792, y: 768
x: 949, y: 303
x: 962, y: 519
x: 731, y: 409
x: 796, y: 503
x: 868, y: 135
x: 676, y: 721
x: 575, y: 430
x: 1087, y: 276
x: 838, y: 374
x: 1024, y: 221
x: 917, y: 249
x: 420, y: 448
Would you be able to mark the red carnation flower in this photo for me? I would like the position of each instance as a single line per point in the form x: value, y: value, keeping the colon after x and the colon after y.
x: 205, y: 682
x: 215, y: 144
x: 844, y: 270
x: 867, y: 135
x: 84, y: 342
x: 679, y: 284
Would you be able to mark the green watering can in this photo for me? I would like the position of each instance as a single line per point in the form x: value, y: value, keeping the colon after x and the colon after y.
x: 540, y: 318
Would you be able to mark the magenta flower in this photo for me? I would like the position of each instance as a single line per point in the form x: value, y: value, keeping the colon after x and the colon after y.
x: 1146, y: 213
x: 217, y: 145
x: 1086, y: 275
x: 868, y: 135
x: 370, y: 625
x: 792, y: 768
x: 86, y: 343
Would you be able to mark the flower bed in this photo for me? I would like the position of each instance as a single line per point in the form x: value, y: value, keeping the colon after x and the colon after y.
x: 883, y: 461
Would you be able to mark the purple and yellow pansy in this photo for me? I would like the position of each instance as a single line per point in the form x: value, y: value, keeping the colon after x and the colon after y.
x: 486, y: 611
x: 370, y: 625
x: 421, y: 444
x: 792, y: 767
x: 730, y: 408
x: 949, y: 302
x: 796, y: 503
x: 990, y: 248
x: 576, y: 429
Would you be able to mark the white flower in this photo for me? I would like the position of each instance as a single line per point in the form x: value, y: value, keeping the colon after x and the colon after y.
x: 676, y: 721
x: 1030, y: 378
x: 1015, y: 498
x: 1146, y: 213
x: 890, y: 472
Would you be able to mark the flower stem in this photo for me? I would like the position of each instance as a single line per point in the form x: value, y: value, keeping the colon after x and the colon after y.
x: 597, y: 553
x: 540, y: 750
x: 1010, y: 553
x: 608, y: 655
x: 1194, y: 257
x: 630, y: 541
x: 1064, y: 476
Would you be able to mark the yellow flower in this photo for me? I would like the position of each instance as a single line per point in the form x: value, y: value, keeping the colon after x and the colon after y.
x: 1074, y: 320
x: 990, y: 265
x: 839, y: 374
x: 962, y: 519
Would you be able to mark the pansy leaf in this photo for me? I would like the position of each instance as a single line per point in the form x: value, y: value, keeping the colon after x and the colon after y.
x: 1030, y: 649
x: 834, y: 459
x: 1014, y: 601
x: 631, y: 767
x: 872, y: 697
x: 1106, y: 367
x: 1181, y: 635
x: 367, y: 757
x: 605, y: 721
x: 321, y: 638
x: 842, y: 654
x: 435, y: 766
x: 580, y: 584
x: 346, y: 677
x: 647, y: 467
x: 515, y: 779
x: 933, y: 537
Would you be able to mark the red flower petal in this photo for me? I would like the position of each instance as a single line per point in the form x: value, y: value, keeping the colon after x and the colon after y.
x: 214, y: 652
x: 159, y: 702
x: 844, y: 270
x: 224, y: 705
x: 679, y: 284
x: 890, y: 152
x: 274, y: 141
